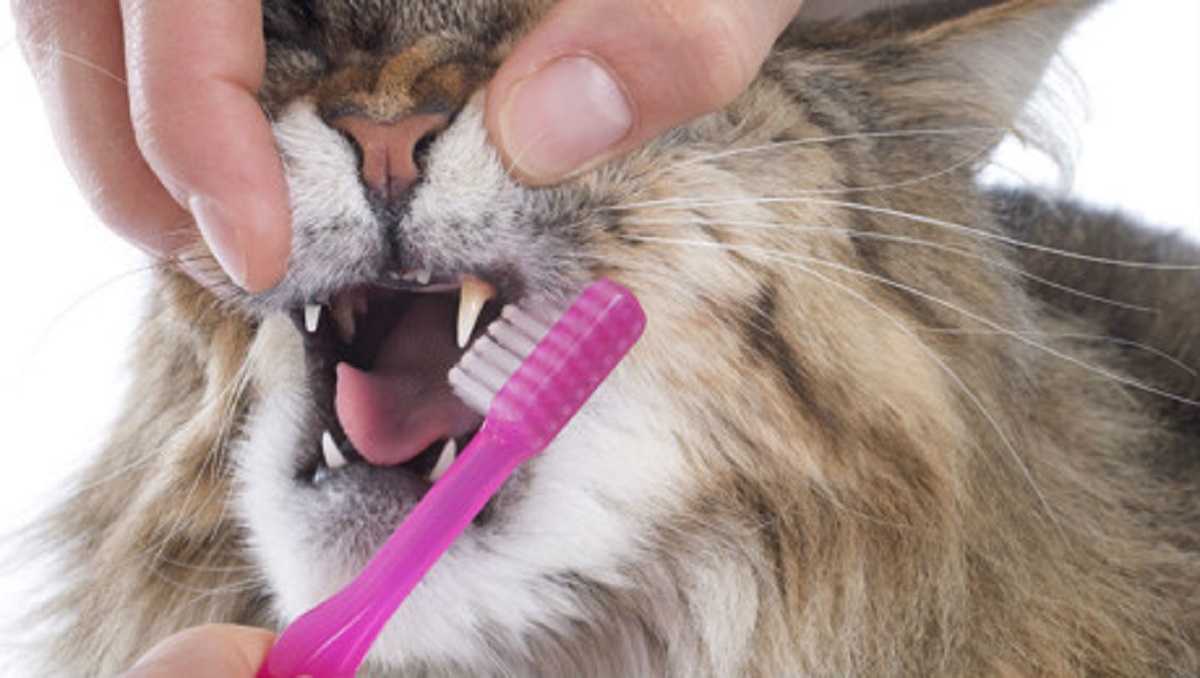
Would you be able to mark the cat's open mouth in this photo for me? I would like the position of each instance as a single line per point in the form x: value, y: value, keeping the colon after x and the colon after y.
x: 377, y: 358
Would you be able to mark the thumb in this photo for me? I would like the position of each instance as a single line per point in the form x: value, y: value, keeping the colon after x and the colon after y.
x: 216, y: 651
x: 598, y: 78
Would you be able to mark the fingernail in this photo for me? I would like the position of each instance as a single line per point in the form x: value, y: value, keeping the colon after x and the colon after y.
x: 563, y: 117
x: 220, y: 235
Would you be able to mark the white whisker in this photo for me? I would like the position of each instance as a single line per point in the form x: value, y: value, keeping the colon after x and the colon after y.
x: 75, y: 58
x: 228, y: 398
x: 898, y: 239
x: 742, y: 201
x: 1098, y: 338
x: 785, y: 257
x: 800, y: 263
x: 995, y: 133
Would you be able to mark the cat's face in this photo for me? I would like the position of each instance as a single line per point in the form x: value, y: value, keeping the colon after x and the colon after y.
x: 388, y: 272
x: 768, y: 338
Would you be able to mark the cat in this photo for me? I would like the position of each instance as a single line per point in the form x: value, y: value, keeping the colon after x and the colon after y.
x: 884, y: 421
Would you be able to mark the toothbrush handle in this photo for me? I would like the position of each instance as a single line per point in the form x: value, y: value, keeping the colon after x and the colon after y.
x: 313, y: 645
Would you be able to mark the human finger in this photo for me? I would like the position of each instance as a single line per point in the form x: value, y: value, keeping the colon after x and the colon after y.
x: 215, y: 651
x: 76, y: 52
x: 193, y: 71
x: 597, y: 78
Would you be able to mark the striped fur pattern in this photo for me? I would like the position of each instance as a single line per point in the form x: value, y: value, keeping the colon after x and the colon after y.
x: 883, y: 422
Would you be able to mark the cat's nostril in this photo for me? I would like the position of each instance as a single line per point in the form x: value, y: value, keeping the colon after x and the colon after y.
x: 392, y: 154
x: 421, y: 150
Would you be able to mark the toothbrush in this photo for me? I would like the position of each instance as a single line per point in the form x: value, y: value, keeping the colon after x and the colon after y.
x: 529, y: 375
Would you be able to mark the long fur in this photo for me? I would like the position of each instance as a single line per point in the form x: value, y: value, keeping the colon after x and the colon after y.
x: 883, y: 422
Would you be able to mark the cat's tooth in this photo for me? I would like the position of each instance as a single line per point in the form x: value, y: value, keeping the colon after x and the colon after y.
x: 423, y: 276
x: 447, y: 457
x: 334, y: 458
x: 312, y: 317
x: 473, y: 296
x: 343, y: 317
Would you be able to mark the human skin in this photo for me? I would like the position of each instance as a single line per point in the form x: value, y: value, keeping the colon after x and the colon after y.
x: 126, y: 84
x: 216, y: 651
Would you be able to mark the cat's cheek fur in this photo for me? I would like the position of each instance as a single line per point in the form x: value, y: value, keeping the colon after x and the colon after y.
x: 860, y: 436
x: 335, y: 233
x: 468, y: 214
x: 579, y: 512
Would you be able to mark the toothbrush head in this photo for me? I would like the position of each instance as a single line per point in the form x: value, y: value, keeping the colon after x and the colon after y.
x: 537, y: 366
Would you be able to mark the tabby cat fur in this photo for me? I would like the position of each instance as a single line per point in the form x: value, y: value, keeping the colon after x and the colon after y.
x: 883, y: 422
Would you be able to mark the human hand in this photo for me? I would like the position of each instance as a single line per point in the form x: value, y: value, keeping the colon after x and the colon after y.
x: 218, y: 651
x: 598, y: 78
x: 152, y: 104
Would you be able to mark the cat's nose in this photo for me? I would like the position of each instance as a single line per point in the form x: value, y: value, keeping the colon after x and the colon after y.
x: 392, y: 152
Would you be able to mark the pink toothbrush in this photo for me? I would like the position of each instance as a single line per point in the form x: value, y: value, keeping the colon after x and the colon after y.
x: 555, y: 361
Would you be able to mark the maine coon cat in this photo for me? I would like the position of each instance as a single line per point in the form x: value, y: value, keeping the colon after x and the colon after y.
x: 883, y: 422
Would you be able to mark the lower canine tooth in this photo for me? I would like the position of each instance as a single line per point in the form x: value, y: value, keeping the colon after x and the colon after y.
x: 449, y: 453
x: 334, y: 458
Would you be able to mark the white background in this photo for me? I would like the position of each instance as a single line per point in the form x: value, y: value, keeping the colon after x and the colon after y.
x: 71, y: 290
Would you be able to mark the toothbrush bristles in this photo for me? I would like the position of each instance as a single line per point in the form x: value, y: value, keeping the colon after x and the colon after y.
x: 544, y: 340
x: 496, y: 356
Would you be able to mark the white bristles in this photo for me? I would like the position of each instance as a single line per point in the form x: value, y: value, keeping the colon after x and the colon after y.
x: 477, y: 396
x: 494, y: 358
x: 485, y: 371
x: 494, y: 354
x: 532, y: 326
x: 516, y: 341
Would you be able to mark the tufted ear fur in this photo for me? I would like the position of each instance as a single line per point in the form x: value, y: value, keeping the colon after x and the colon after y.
x: 967, y: 62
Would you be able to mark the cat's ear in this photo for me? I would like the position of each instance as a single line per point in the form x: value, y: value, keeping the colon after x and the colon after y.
x: 990, y: 54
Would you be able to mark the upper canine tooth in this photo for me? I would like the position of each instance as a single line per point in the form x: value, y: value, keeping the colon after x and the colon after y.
x: 312, y: 317
x: 334, y: 458
x: 423, y: 276
x: 474, y: 295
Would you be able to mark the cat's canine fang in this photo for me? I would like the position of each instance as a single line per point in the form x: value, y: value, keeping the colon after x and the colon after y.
x: 447, y: 456
x: 312, y: 317
x: 334, y: 458
x: 474, y: 294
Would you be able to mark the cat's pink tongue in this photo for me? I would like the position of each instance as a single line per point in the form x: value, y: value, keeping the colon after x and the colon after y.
x: 404, y: 404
